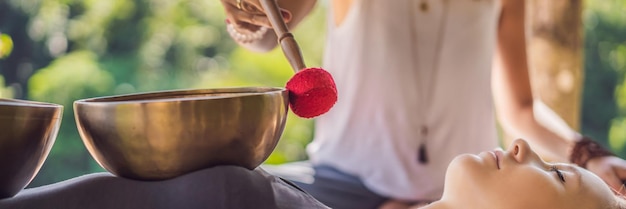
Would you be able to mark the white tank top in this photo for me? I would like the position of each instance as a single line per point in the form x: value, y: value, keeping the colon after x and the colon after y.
x: 408, y: 74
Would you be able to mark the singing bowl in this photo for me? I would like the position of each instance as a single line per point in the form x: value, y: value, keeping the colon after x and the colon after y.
x: 165, y: 134
x: 28, y: 131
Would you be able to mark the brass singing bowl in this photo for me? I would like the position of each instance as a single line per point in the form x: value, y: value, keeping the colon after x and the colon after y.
x: 161, y: 135
x: 27, y: 132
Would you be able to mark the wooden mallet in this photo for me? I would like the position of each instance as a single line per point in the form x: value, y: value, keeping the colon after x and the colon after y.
x: 312, y: 91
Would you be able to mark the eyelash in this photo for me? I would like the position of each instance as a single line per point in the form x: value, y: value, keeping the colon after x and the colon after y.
x: 558, y: 173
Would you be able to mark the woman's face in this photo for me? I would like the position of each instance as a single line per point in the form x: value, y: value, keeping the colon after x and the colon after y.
x: 519, y: 178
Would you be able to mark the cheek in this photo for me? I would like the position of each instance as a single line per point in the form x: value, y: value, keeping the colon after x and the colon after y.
x: 519, y: 187
x: 527, y: 188
x: 594, y: 193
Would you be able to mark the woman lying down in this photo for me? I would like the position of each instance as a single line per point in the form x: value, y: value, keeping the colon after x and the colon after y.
x: 519, y: 178
x: 512, y: 179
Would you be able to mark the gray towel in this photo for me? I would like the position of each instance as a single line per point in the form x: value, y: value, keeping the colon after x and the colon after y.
x: 221, y: 187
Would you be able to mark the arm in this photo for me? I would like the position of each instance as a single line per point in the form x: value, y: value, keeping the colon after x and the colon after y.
x: 512, y: 91
x: 523, y: 117
x: 252, y: 17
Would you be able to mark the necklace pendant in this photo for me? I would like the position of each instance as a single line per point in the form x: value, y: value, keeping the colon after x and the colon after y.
x: 422, y: 156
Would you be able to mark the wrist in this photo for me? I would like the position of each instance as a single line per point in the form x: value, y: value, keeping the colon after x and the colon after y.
x: 586, y: 149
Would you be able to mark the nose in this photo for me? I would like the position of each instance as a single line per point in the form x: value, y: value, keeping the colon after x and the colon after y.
x: 521, y: 151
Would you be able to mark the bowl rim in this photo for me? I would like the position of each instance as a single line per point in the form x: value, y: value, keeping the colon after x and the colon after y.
x: 20, y: 105
x: 26, y: 103
x: 174, y: 95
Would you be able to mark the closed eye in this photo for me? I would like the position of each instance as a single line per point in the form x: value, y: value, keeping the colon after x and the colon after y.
x: 558, y: 173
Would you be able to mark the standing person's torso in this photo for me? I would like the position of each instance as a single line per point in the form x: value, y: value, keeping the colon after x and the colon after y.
x: 408, y: 73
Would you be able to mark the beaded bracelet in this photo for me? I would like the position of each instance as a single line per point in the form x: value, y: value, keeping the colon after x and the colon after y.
x: 587, y: 149
x: 245, y: 37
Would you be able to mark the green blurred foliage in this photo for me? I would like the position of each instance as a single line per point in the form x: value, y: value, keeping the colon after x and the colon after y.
x: 5, y: 92
x: 69, y: 78
x: 604, y: 97
x: 64, y: 50
x: 6, y: 45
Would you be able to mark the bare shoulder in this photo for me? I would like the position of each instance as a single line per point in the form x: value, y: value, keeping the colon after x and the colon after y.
x: 340, y: 9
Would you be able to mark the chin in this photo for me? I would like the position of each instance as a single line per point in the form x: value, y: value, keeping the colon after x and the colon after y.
x: 464, y: 166
x: 466, y: 161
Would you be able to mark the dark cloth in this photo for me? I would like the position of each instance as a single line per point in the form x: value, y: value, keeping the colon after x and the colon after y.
x: 330, y: 186
x: 221, y: 187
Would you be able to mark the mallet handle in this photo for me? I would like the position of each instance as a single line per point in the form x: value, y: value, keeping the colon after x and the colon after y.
x: 287, y: 42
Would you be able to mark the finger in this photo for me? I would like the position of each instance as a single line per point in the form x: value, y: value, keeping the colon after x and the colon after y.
x: 286, y: 15
x: 230, y: 10
x: 249, y: 13
x: 605, y: 168
x: 243, y: 24
x: 229, y: 6
x: 613, y: 181
x: 238, y: 17
x: 620, y: 169
x: 256, y: 19
x: 254, y: 6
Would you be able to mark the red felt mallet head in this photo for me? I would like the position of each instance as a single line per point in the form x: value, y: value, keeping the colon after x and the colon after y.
x: 312, y: 91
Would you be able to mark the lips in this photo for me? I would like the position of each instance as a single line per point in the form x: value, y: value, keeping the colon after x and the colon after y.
x: 495, y: 156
